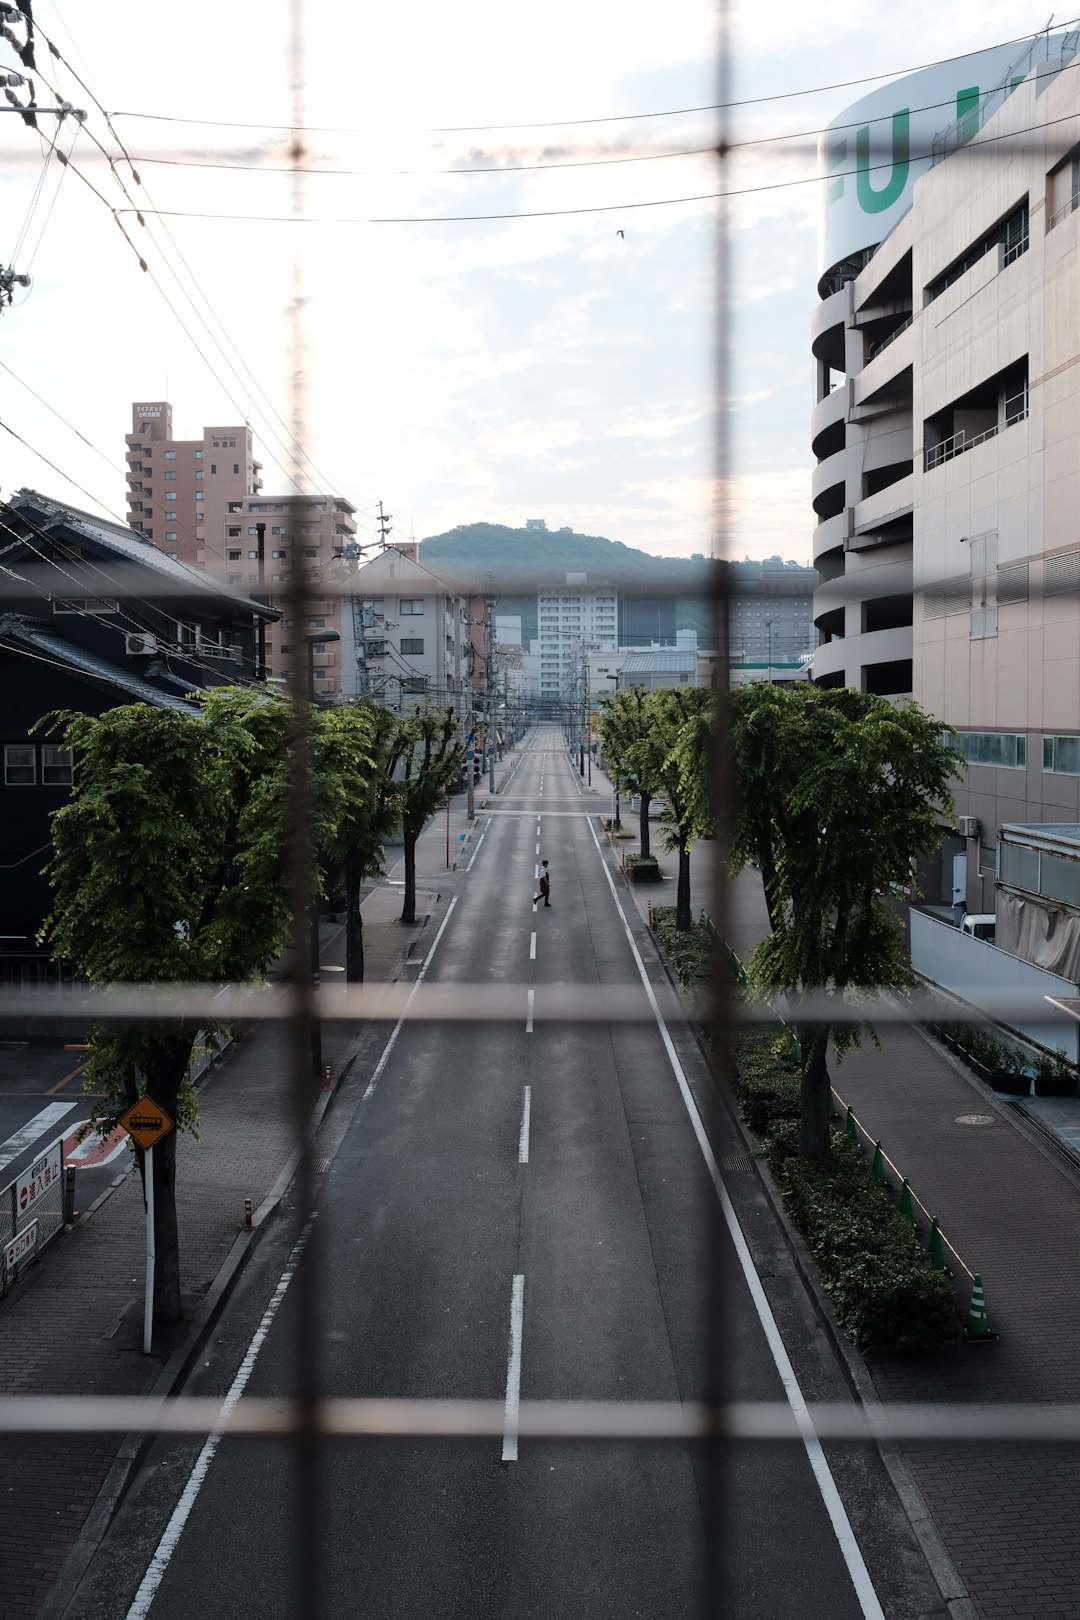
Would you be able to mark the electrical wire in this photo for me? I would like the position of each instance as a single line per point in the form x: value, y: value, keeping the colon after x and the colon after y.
x: 298, y: 446
x: 566, y: 123
x: 495, y: 168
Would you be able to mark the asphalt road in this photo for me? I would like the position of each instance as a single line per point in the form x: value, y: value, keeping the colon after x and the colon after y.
x: 532, y: 1196
x: 41, y: 1099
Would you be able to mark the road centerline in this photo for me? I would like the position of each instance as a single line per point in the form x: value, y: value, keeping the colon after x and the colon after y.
x: 523, y: 1134
x: 513, y: 1370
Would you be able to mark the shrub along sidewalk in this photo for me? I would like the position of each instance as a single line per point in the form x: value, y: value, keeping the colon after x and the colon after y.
x: 884, y: 1286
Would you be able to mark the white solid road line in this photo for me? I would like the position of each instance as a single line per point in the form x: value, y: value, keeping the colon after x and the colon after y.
x: 479, y: 841
x: 532, y: 948
x: 144, y: 1597
x: 513, y: 1371
x: 529, y: 1019
x: 841, y: 1524
x: 396, y: 1031
x: 28, y: 1134
x: 523, y: 1134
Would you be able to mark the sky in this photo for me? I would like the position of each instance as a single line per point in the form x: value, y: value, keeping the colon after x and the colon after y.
x: 459, y: 369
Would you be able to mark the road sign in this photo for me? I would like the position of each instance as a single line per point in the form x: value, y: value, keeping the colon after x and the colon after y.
x: 36, y: 1181
x: 145, y: 1122
x: 22, y: 1247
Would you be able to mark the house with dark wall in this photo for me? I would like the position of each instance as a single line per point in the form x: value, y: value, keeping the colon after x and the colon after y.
x: 92, y: 616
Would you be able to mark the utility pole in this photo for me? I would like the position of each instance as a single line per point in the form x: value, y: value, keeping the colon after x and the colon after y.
x: 489, y: 666
x: 384, y: 525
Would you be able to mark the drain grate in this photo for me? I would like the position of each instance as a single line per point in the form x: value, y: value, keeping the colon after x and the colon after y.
x: 318, y: 1167
x: 736, y: 1162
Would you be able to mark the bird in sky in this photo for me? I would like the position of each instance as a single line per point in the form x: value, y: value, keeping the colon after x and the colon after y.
x: 622, y: 234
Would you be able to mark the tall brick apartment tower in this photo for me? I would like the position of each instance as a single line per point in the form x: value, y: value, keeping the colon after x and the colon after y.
x: 180, y: 491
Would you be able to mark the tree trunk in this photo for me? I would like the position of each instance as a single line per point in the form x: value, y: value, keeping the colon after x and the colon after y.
x: 167, y: 1306
x: 354, y: 928
x: 683, y: 916
x: 646, y: 801
x: 814, y: 1096
x: 408, y: 913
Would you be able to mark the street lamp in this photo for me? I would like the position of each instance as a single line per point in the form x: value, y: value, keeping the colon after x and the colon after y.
x: 317, y: 638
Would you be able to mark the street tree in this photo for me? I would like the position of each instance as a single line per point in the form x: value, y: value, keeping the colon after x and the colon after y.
x: 838, y: 792
x: 683, y: 720
x: 360, y: 806
x: 423, y: 759
x: 633, y: 753
x: 168, y: 868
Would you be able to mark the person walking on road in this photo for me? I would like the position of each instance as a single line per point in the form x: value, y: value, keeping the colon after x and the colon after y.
x: 545, y: 885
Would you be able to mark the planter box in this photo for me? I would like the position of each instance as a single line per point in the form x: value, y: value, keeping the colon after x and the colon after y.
x: 1065, y: 1087
x: 1011, y: 1085
x: 644, y: 874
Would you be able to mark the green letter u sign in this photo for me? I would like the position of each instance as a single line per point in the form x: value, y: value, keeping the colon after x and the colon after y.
x: 875, y: 202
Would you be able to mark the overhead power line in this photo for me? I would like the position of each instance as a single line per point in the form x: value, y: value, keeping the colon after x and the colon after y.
x: 566, y: 123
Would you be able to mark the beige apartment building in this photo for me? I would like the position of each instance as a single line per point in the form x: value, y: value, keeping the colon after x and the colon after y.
x: 947, y: 432
x: 201, y: 500
x: 179, y: 490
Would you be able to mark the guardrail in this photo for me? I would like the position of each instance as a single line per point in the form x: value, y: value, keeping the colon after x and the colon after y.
x: 1016, y: 409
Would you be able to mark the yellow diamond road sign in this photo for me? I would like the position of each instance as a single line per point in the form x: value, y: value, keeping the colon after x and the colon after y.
x: 145, y: 1122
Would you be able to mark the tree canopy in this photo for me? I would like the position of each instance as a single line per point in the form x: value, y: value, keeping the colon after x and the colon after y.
x: 837, y: 793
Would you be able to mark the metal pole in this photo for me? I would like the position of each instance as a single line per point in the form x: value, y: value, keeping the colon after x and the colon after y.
x: 148, y: 1301
x: 448, y: 832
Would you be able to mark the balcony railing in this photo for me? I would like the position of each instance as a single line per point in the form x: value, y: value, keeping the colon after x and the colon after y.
x: 1016, y: 410
x: 1014, y: 249
x: 876, y: 348
x: 1065, y: 210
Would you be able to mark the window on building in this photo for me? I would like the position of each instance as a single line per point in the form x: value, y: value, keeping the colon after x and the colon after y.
x: 200, y: 473
x: 233, y: 534
x: 198, y: 457
x: 234, y: 556
x: 1010, y: 233
x: 170, y: 455
x: 20, y: 764
x: 253, y: 555
x: 236, y: 466
x: 412, y: 646
x: 279, y: 529
x: 213, y: 466
x: 411, y: 605
x: 1001, y: 748
x: 169, y: 475
x: 170, y: 534
x: 170, y: 517
x: 1062, y: 755
x: 233, y: 579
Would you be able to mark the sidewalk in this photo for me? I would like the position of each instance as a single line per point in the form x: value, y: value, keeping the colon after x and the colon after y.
x: 1011, y: 1206
x: 72, y: 1325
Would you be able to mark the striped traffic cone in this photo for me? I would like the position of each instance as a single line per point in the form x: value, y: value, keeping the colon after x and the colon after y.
x: 978, y: 1323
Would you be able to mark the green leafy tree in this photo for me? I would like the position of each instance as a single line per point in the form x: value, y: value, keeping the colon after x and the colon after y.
x: 168, y: 868
x: 360, y: 806
x: 683, y: 722
x: 424, y: 758
x: 633, y: 753
x: 838, y: 793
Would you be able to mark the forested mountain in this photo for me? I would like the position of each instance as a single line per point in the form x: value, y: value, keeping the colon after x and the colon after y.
x: 520, y: 558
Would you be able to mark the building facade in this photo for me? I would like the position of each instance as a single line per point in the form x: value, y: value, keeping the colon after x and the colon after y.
x: 947, y: 431
x: 179, y: 490
x: 572, y: 617
x: 412, y: 634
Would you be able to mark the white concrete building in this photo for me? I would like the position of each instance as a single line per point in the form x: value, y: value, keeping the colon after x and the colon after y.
x: 572, y: 617
x: 411, y: 634
x: 947, y: 429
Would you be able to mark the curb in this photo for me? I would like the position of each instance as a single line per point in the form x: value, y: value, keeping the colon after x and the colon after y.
x: 946, y: 1577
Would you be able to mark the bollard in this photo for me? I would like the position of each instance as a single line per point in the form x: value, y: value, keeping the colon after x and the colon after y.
x: 650, y: 913
x: 793, y: 1051
x: 978, y: 1323
x: 877, y: 1168
x: 906, y: 1206
x: 937, y: 1253
x: 327, y: 1079
x: 851, y: 1130
x: 69, y: 1194
x: 249, y: 1225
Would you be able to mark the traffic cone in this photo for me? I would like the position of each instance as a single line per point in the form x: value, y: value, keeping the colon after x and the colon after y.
x: 850, y: 1128
x: 906, y: 1206
x: 877, y: 1169
x: 978, y: 1323
x: 937, y: 1253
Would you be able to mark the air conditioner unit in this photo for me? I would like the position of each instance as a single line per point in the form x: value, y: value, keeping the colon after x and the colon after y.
x: 967, y: 826
x: 138, y: 646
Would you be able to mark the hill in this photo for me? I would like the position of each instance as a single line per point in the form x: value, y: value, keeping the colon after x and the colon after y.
x: 523, y: 559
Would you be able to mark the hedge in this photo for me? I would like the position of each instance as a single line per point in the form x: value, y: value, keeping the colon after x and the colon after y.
x: 691, y: 952
x: 884, y: 1288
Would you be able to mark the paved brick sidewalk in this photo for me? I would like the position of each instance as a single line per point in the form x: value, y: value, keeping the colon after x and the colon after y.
x: 1008, y: 1515
x: 59, y: 1327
